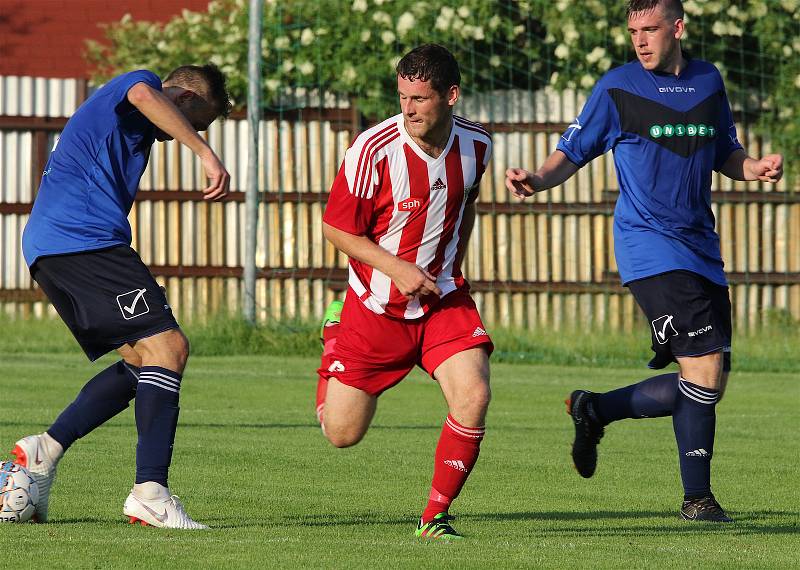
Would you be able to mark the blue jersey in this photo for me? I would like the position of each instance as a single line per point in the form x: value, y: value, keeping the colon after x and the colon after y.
x: 668, y: 133
x: 92, y: 175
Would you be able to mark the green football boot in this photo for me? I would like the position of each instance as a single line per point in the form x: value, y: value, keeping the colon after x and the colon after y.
x: 438, y: 528
x: 332, y: 316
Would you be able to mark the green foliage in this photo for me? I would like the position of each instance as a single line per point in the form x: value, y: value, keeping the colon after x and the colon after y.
x: 350, y: 47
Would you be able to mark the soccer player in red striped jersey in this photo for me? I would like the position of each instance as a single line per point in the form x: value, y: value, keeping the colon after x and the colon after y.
x: 402, y: 208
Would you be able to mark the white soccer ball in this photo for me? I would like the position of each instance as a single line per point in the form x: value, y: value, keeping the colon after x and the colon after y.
x: 19, y: 493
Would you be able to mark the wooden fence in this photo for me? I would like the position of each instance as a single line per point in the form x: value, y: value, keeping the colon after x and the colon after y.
x: 544, y: 263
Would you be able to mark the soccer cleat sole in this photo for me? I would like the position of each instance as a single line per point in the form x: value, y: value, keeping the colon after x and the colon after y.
x: 136, y: 520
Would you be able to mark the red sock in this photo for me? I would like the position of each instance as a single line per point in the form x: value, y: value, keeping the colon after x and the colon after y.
x: 456, y: 455
x: 329, y: 340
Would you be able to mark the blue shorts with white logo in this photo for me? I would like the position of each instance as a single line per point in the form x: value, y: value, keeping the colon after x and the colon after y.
x: 688, y: 315
x: 107, y: 297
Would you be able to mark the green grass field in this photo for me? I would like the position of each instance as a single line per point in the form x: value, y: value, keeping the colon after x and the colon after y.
x: 250, y: 461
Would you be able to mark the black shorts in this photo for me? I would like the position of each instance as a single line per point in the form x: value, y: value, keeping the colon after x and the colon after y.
x: 106, y: 297
x: 689, y: 316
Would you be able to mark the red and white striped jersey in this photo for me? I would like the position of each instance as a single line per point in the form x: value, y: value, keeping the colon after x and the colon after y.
x: 410, y: 204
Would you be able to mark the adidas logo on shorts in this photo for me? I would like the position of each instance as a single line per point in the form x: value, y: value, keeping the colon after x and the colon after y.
x: 479, y: 332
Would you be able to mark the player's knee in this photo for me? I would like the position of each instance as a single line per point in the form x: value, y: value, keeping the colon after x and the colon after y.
x: 169, y: 350
x: 474, y: 403
x: 342, y: 438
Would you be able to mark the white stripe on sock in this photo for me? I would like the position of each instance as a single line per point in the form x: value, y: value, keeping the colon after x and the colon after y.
x: 698, y: 391
x: 698, y: 394
x: 160, y: 380
x: 160, y: 376
x: 162, y: 386
x: 467, y: 432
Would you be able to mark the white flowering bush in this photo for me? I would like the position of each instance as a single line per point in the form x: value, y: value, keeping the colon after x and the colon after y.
x: 343, y: 46
x: 351, y: 47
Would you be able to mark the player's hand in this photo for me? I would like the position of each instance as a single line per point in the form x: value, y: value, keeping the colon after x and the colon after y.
x: 219, y: 180
x: 768, y: 168
x: 412, y: 280
x: 520, y: 182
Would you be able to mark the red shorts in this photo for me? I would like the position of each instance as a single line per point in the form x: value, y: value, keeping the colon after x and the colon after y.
x: 373, y: 352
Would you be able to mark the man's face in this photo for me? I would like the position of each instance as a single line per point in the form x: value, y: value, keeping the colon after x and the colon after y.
x: 198, y: 111
x: 655, y: 38
x: 424, y: 108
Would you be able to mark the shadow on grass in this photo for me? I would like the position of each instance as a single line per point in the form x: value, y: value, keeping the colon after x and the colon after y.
x: 751, y: 522
x: 305, y: 425
x: 307, y: 520
x: 620, y: 523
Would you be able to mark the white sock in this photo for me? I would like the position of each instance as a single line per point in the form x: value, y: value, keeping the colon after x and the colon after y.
x: 51, y: 447
x: 150, y: 491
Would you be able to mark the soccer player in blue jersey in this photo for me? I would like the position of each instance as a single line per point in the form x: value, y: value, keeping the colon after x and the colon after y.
x: 77, y: 245
x: 668, y: 121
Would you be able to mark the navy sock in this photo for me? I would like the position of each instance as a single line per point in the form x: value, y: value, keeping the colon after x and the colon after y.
x: 694, y: 419
x: 102, y: 398
x: 651, y: 398
x: 156, y: 420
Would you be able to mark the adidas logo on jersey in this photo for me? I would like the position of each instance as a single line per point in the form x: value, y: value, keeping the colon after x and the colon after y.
x: 456, y: 464
x: 438, y: 185
x: 698, y: 453
x: 479, y: 332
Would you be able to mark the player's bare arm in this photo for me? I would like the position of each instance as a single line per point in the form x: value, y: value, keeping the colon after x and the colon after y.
x: 740, y: 166
x: 410, y: 279
x: 556, y: 170
x: 168, y: 118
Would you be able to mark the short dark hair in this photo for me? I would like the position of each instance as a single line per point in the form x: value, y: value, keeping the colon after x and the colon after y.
x: 673, y: 9
x: 206, y: 79
x: 431, y: 62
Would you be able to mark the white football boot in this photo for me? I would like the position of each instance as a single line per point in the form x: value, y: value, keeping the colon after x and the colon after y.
x: 151, y: 504
x: 39, y: 454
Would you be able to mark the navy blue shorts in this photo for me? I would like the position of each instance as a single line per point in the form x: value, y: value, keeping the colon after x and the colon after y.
x: 688, y: 316
x: 107, y: 297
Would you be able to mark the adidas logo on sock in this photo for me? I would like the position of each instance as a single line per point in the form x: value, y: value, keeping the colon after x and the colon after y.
x: 479, y: 332
x: 698, y: 453
x: 456, y: 464
x: 438, y: 185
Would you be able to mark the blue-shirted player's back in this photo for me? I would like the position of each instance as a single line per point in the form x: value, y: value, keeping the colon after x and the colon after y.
x: 668, y: 133
x: 92, y: 175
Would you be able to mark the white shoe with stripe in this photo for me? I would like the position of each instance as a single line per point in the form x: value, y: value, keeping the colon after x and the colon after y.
x: 39, y: 454
x: 165, y: 511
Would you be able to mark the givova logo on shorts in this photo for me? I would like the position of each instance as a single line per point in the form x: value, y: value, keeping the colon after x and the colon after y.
x: 680, y: 130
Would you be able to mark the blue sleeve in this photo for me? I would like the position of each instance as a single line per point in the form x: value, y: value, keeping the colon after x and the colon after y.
x: 595, y: 131
x: 726, y: 139
x: 124, y: 82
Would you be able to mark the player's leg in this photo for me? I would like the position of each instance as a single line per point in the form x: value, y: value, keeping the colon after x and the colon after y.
x: 464, y: 380
x: 456, y: 350
x: 348, y: 413
x: 327, y: 336
x: 680, y: 307
x: 694, y: 422
x: 104, y: 396
x: 164, y: 357
x: 365, y: 354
